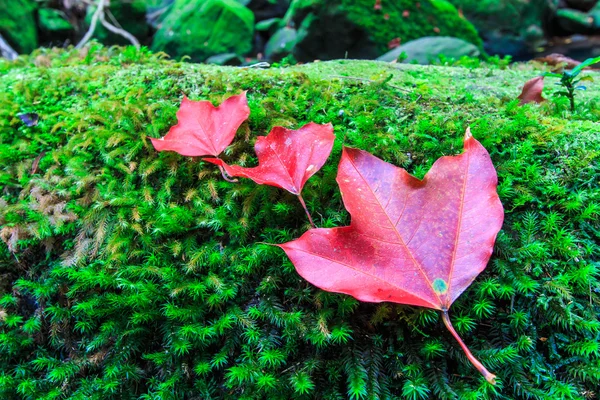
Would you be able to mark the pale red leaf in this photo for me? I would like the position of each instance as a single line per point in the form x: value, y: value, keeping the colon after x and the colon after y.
x: 203, y: 129
x: 287, y: 158
x: 560, y: 60
x: 410, y: 241
x: 532, y: 91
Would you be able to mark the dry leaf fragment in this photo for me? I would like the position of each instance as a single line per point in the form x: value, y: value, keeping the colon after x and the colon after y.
x: 558, y: 60
x: 532, y: 91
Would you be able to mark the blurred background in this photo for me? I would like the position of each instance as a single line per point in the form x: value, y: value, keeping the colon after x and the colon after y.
x: 238, y: 32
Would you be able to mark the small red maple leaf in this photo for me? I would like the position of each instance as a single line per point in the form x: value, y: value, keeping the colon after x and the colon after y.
x: 287, y: 158
x: 203, y: 129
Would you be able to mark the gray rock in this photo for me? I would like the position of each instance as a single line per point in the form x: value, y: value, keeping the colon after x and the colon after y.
x: 281, y: 43
x: 428, y: 49
x: 225, y: 59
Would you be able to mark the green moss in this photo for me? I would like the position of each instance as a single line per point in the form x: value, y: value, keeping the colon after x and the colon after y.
x: 136, y: 274
x: 17, y: 24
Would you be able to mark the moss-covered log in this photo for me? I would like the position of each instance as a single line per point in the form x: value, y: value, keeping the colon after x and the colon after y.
x: 132, y: 274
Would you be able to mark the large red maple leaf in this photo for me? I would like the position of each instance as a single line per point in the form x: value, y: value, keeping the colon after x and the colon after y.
x: 410, y: 241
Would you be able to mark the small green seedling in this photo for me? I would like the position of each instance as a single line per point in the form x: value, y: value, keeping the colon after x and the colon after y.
x: 569, y: 81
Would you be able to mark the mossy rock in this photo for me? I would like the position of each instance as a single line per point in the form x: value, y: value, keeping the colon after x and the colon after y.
x: 17, y: 24
x: 54, y: 28
x: 52, y: 20
x: 142, y: 275
x: 354, y: 29
x: 510, y: 17
x: 507, y: 27
x: 574, y: 21
x: 204, y: 28
x: 569, y: 21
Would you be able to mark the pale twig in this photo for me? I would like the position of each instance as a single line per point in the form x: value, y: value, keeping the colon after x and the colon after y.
x: 119, y: 31
x: 7, y: 51
x: 157, y: 13
x: 88, y: 35
x: 99, y: 14
x: 112, y: 18
x: 262, y: 64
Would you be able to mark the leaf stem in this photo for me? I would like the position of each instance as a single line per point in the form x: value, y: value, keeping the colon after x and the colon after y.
x: 491, y: 378
x: 306, y: 209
